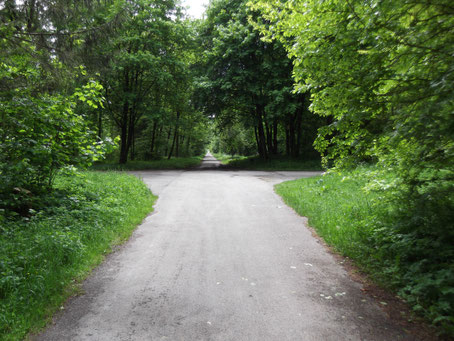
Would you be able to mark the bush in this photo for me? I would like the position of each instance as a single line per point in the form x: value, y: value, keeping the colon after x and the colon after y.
x: 40, y: 255
x: 403, y: 244
x: 41, y: 132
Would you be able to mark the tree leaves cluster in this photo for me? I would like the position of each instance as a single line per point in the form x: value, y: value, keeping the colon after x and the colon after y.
x: 147, y: 79
x: 43, y: 128
x: 74, y: 75
x: 382, y: 71
x: 245, y: 79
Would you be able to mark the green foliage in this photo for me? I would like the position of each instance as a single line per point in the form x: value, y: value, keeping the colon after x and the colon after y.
x: 352, y: 211
x: 273, y: 164
x: 227, y: 158
x: 42, y: 255
x: 145, y: 69
x: 233, y: 139
x: 246, y: 81
x: 41, y: 133
x: 382, y: 73
x: 173, y: 163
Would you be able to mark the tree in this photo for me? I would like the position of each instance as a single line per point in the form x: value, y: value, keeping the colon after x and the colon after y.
x: 382, y: 71
x: 249, y: 78
x: 40, y: 131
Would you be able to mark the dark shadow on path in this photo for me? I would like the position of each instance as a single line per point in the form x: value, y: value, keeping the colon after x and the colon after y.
x: 209, y: 162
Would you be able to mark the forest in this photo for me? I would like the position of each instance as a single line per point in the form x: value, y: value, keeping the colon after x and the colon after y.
x: 364, y: 87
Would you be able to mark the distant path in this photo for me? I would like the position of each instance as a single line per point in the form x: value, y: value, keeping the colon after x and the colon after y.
x: 209, y: 161
x: 222, y: 258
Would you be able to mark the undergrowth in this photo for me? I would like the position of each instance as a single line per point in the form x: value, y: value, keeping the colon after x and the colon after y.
x: 272, y: 164
x: 44, y: 255
x: 226, y: 158
x: 383, y: 236
x: 173, y: 163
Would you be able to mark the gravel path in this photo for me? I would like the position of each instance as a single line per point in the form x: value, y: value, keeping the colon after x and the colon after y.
x: 222, y: 258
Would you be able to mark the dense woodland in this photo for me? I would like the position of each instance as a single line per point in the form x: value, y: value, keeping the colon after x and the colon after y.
x: 358, y: 83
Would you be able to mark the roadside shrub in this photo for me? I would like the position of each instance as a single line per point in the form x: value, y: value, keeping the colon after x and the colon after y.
x: 404, y: 240
x: 41, y: 132
x: 42, y: 254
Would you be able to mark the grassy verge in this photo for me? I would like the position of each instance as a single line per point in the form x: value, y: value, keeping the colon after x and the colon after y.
x: 44, y: 256
x: 362, y: 225
x: 335, y: 207
x: 173, y: 163
x: 225, y: 158
x: 274, y: 164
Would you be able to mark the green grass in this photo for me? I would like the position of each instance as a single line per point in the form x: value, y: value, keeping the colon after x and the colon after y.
x: 365, y: 226
x: 273, y: 164
x: 225, y: 158
x: 335, y: 206
x: 173, y: 163
x: 43, y: 257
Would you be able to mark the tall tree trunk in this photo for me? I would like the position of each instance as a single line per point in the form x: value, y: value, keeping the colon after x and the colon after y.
x: 269, y: 138
x: 31, y: 21
x: 130, y: 132
x: 167, y: 141
x: 298, y: 128
x: 257, y: 139
x: 124, y: 135
x: 100, y: 124
x: 287, y: 141
x: 275, y: 149
x: 133, y: 144
x: 153, y: 136
x: 261, y: 133
x: 173, y: 145
x: 187, y: 145
x: 182, y: 139
x: 177, y: 145
x: 125, y: 121
x: 175, y: 135
x: 158, y: 139
x: 292, y: 137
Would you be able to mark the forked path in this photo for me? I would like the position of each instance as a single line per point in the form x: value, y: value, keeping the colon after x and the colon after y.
x: 222, y: 258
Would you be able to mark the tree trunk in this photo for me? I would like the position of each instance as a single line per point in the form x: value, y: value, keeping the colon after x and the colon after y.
x: 133, y: 144
x: 287, y: 141
x: 153, y: 137
x: 269, y: 138
x: 292, y: 137
x: 167, y: 141
x: 125, y: 121
x: 257, y: 139
x: 175, y: 135
x: 261, y: 133
x: 298, y: 128
x: 177, y: 146
x: 187, y: 145
x: 124, y: 135
x: 130, y: 133
x: 100, y: 124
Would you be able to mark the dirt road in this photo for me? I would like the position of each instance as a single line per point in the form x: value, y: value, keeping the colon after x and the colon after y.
x: 222, y: 258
